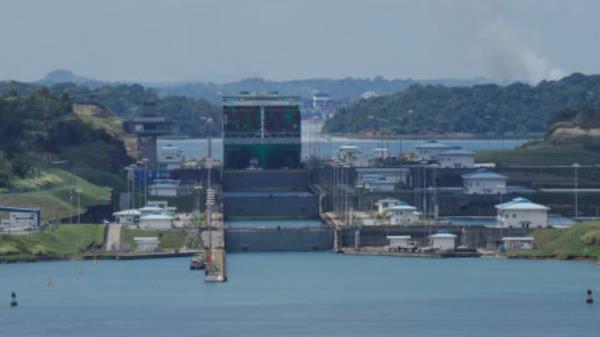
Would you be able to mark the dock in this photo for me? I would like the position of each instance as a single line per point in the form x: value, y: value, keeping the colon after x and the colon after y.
x: 214, y: 240
x: 377, y: 251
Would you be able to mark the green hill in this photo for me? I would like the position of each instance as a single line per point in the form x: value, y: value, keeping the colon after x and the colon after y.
x: 47, y: 152
x: 489, y: 109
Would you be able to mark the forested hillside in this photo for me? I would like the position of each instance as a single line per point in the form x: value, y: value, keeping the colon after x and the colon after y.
x: 490, y: 109
x: 129, y: 100
x: 39, y: 128
x: 345, y: 88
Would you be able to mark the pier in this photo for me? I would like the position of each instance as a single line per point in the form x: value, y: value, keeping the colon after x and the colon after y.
x: 214, y: 239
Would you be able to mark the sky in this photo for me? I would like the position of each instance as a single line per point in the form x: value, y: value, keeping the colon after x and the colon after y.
x: 227, y: 40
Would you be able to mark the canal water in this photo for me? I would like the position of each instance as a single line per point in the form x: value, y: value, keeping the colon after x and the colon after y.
x: 303, y: 294
x: 316, y: 143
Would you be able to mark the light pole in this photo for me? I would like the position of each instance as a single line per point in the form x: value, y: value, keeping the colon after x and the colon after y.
x: 575, y: 167
x: 133, y: 203
x: 145, y: 161
x: 198, y: 189
x: 78, y: 191
x: 381, y: 143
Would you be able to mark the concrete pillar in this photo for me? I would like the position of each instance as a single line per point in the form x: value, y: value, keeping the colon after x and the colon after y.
x: 356, y: 240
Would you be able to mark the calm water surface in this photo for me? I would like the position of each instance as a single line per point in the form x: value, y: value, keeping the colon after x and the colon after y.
x: 303, y: 294
x: 314, y: 142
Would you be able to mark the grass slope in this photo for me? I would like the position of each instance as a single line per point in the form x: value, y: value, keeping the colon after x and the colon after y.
x: 540, y: 155
x: 102, y: 119
x: 64, y: 241
x: 52, y: 191
x: 580, y: 241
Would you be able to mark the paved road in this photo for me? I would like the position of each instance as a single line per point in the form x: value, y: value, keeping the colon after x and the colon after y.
x: 113, y: 238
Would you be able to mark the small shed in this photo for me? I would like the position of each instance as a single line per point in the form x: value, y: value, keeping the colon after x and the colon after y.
x: 443, y: 241
x: 518, y: 243
x: 156, y: 221
x: 400, y: 242
x: 146, y: 244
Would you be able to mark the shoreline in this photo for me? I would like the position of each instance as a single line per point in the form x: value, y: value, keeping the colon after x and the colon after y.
x: 351, y: 252
x: 88, y: 257
x: 461, y: 136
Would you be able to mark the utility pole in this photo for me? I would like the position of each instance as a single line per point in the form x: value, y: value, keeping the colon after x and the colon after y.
x: 575, y: 167
x: 435, y: 202
x: 425, y: 191
x: 210, y: 199
x: 145, y: 161
x: 133, y: 186
x: 78, y: 192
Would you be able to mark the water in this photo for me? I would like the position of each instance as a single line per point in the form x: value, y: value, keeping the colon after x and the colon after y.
x: 197, y: 148
x: 303, y: 294
x: 273, y: 223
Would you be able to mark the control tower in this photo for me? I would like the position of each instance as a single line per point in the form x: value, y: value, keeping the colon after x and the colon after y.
x: 147, y: 129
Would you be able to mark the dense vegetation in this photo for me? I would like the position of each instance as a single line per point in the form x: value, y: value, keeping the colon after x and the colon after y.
x: 39, y: 128
x: 130, y: 100
x: 64, y: 241
x: 345, y: 88
x: 481, y: 109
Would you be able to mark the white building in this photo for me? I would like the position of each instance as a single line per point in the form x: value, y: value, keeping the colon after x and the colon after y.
x: 144, y: 244
x: 384, y: 205
x: 156, y: 221
x: 430, y: 149
x: 522, y: 213
x: 165, y: 188
x: 484, y: 181
x: 401, y: 242
x: 443, y: 241
x: 403, y: 214
x: 20, y: 220
x: 456, y: 158
x: 151, y: 210
x: 518, y: 243
x: 381, y: 153
x: 162, y: 206
x: 127, y: 217
x: 381, y: 179
x: 169, y: 158
x: 351, y: 155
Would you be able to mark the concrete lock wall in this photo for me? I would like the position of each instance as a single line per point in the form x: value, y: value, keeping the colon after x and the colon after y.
x: 472, y: 236
x: 261, y: 207
x: 272, y: 239
x: 273, y: 180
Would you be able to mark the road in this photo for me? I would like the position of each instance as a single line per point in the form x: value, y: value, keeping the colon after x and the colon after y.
x: 113, y: 237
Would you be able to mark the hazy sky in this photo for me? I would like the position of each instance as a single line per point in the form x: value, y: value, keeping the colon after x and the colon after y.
x: 225, y: 40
